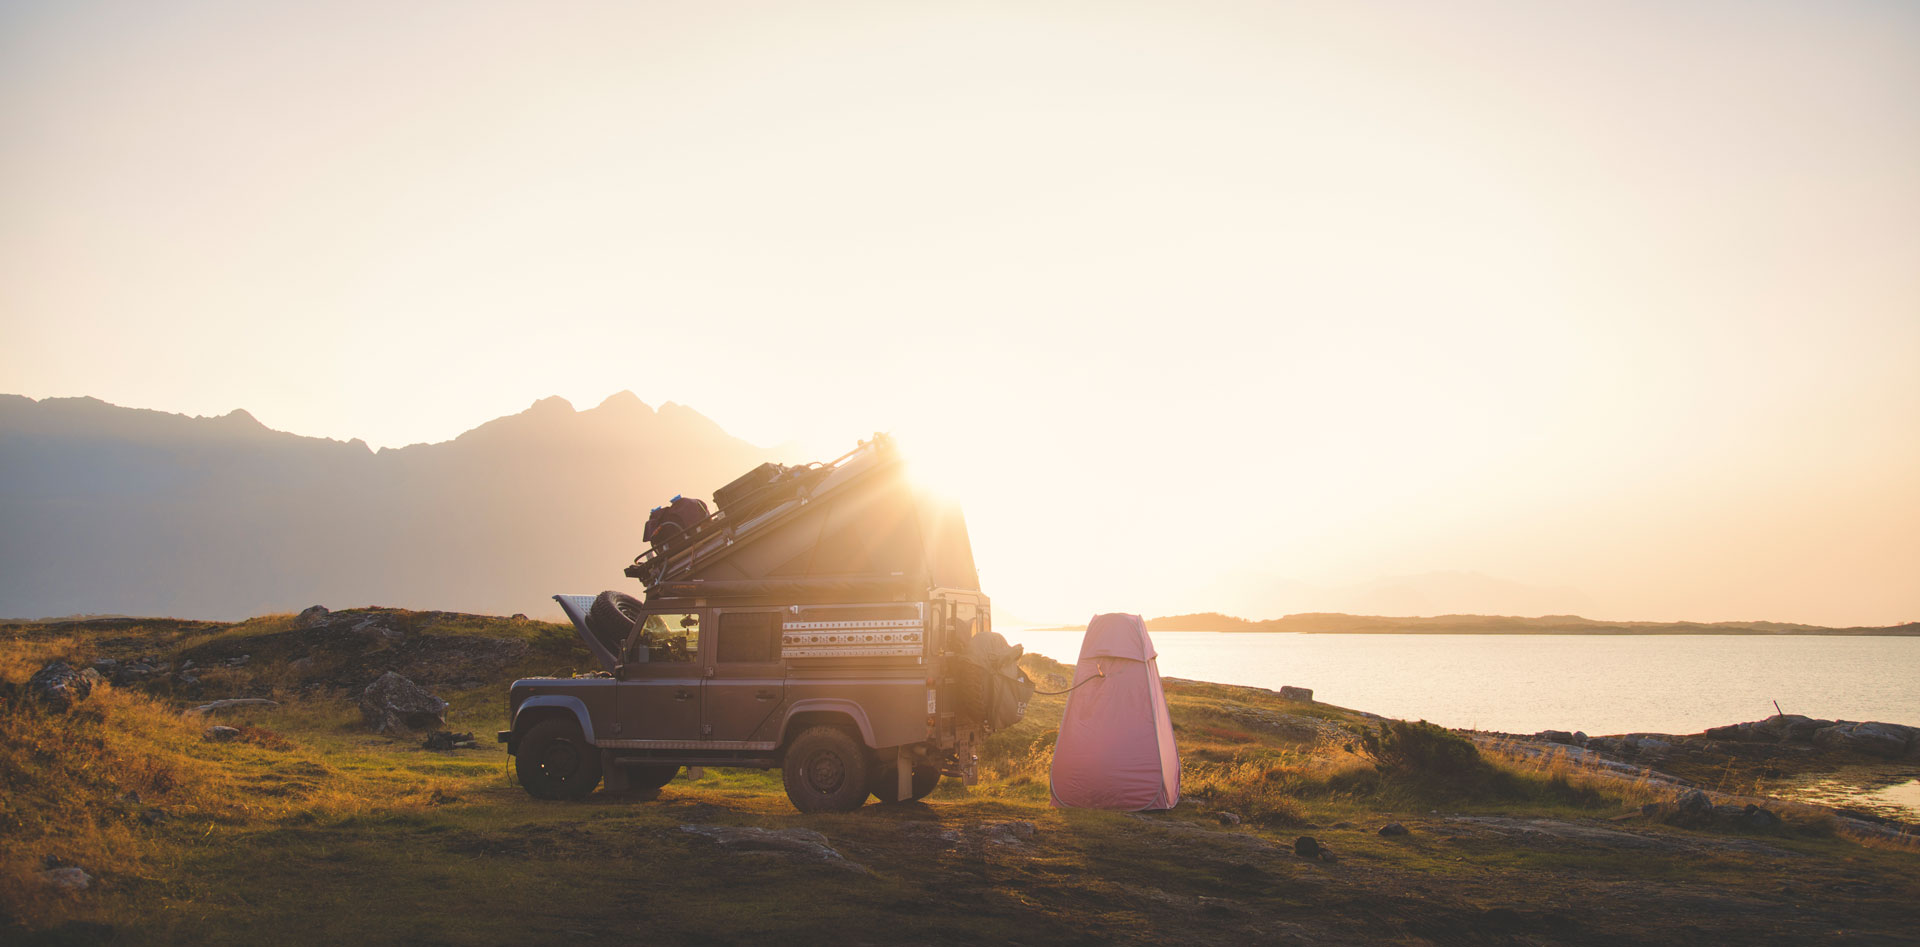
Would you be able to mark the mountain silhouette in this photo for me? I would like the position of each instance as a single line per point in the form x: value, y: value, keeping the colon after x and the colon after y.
x: 106, y: 509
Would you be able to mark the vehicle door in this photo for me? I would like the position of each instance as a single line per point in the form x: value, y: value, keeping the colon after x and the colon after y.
x: 747, y: 681
x: 658, y: 695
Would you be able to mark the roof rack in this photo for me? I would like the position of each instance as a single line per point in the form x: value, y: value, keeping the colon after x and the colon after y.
x: 691, y: 552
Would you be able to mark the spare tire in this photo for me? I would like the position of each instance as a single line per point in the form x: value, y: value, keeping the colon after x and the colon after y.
x: 612, y: 617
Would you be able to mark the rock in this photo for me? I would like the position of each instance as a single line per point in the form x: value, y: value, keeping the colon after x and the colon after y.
x: 1693, y: 804
x: 312, y: 616
x: 1757, y: 818
x: 219, y: 734
x: 519, y: 616
x: 59, y: 686
x: 153, y: 816
x: 931, y: 832
x: 1297, y: 693
x: 71, y: 878
x: 803, y: 844
x: 393, y: 702
x: 229, y: 702
x: 1561, y: 737
x: 1003, y: 833
x: 1393, y: 828
x: 1343, y: 825
x: 448, y: 740
x: 1888, y: 740
x: 1579, y: 738
x: 1228, y: 818
x: 1306, y: 846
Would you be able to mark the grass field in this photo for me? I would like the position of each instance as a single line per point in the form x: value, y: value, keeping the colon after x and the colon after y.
x: 309, y: 829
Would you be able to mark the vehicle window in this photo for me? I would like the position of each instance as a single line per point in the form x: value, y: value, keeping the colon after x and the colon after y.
x: 748, y: 638
x: 666, y: 637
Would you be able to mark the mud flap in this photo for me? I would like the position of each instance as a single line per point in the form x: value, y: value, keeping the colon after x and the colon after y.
x: 614, y: 780
x: 902, y: 773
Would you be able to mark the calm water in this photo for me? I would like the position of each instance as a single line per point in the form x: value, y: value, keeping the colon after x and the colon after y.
x: 1525, y: 683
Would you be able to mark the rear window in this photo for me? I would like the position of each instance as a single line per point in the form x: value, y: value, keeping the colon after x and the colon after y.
x: 748, y: 638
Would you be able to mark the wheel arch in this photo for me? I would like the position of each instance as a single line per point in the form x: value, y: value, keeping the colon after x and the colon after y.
x: 535, y: 709
x: 825, y: 711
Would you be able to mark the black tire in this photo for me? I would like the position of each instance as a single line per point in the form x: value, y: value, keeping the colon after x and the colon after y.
x: 651, y: 776
x: 612, y: 617
x: 827, y: 770
x: 886, y: 782
x: 555, y: 761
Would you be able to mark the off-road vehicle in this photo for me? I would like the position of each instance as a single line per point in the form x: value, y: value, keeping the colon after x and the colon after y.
x: 825, y: 619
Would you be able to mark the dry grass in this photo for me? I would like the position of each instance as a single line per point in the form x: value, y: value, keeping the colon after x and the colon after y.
x: 112, y: 784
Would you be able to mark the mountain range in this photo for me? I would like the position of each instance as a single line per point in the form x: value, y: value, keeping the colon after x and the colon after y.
x: 113, y: 510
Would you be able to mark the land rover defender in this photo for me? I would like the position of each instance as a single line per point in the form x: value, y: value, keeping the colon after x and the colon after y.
x: 824, y: 619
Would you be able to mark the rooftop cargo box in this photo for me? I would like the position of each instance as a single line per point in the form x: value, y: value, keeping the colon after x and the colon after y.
x: 856, y: 528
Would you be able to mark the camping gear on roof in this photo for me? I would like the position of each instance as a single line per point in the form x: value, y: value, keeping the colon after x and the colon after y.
x: 1116, y: 749
x: 856, y: 526
x: 676, y: 517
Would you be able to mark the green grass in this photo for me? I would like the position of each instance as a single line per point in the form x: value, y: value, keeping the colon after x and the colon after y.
x: 312, y: 830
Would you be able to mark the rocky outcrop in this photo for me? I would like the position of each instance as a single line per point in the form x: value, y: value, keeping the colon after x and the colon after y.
x: 797, y: 844
x: 1889, y: 740
x: 1304, y: 694
x: 60, y: 686
x: 394, y: 703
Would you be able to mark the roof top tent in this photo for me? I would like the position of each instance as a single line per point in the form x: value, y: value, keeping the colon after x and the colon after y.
x: 1116, y: 749
x: 855, y: 528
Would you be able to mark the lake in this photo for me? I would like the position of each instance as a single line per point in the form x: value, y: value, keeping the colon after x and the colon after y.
x: 1525, y: 683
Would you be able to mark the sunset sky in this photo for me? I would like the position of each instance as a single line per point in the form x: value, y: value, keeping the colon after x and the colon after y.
x: 1253, y: 307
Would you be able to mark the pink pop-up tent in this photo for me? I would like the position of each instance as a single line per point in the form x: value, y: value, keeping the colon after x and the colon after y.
x: 1116, y: 741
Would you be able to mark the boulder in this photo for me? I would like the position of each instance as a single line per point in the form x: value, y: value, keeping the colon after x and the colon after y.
x: 1297, y: 693
x: 1693, y: 804
x: 312, y: 616
x: 1874, y: 739
x: 1227, y: 818
x: 393, y: 702
x: 70, y: 878
x: 1392, y: 829
x: 1306, y: 846
x: 1555, y: 736
x: 220, y: 734
x: 59, y: 686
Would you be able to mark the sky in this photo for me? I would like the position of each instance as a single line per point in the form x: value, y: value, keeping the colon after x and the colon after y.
x: 1251, y: 307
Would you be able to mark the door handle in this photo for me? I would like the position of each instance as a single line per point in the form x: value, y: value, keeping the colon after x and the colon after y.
x: 682, y: 694
x: 763, y: 694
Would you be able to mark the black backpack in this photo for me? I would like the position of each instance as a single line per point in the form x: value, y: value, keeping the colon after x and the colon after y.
x: 679, y: 515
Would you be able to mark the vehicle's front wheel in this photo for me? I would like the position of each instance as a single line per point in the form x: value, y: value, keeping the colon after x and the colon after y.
x: 826, y: 771
x: 555, y: 761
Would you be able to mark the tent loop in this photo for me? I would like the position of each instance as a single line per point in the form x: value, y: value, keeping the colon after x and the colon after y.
x: 1102, y: 668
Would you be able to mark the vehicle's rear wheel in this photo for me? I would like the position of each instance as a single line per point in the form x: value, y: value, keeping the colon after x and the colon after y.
x: 555, y: 761
x: 651, y: 776
x: 886, y: 781
x: 827, y: 771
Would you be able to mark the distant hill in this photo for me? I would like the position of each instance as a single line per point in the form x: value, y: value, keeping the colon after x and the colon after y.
x: 105, y: 509
x: 1327, y: 623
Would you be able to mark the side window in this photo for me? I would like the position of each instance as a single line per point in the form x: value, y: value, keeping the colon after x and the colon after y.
x: 665, y: 637
x: 748, y: 638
